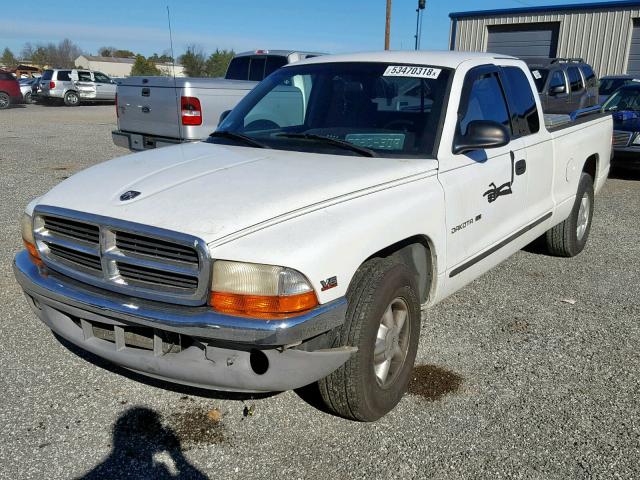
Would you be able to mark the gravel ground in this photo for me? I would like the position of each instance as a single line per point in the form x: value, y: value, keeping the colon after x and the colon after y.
x: 529, y: 372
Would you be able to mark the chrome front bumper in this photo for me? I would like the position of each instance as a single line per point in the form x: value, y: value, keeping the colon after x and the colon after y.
x: 221, y: 349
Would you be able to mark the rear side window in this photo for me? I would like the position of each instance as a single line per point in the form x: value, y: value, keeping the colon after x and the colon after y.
x: 84, y: 76
x: 256, y: 68
x: 47, y: 75
x: 238, y: 69
x: 6, y: 76
x: 523, y: 101
x: 575, y: 80
x: 64, y: 75
x: 273, y: 64
x: 589, y: 75
x: 486, y: 102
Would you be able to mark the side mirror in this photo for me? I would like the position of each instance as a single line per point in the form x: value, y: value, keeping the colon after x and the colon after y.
x: 558, y: 90
x: 223, y: 115
x: 481, y: 134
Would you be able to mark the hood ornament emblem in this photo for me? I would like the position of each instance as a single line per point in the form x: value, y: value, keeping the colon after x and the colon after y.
x: 129, y: 195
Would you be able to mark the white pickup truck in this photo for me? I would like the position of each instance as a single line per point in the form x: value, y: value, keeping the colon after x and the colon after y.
x: 299, y: 242
x: 157, y: 112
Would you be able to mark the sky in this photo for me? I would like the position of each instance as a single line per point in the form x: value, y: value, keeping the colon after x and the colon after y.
x: 333, y: 26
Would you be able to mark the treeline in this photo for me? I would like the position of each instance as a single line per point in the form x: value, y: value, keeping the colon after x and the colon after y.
x: 195, y: 61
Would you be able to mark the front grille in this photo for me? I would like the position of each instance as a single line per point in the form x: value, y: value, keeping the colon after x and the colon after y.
x: 136, y: 260
x: 72, y: 229
x: 75, y: 257
x: 131, y: 242
x: 621, y: 139
x: 156, y: 277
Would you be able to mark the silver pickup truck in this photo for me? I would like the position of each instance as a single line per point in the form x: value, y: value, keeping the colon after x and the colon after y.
x: 159, y: 111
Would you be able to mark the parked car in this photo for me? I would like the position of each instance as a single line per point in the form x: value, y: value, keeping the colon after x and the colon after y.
x: 611, y: 83
x: 624, y: 104
x: 73, y: 86
x: 300, y: 241
x: 26, y: 85
x: 564, y: 84
x: 148, y: 116
x: 10, y: 93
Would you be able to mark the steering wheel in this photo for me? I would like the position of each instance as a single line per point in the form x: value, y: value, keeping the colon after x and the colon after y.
x: 262, y: 124
x: 394, y: 124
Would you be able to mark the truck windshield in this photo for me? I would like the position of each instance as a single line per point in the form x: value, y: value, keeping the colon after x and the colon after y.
x: 625, y: 99
x: 540, y: 77
x: 344, y: 109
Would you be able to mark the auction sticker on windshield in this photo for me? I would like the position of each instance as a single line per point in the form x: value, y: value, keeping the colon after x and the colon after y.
x: 411, y: 71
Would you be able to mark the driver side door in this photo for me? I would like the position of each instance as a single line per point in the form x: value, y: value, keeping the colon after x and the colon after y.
x: 484, y: 197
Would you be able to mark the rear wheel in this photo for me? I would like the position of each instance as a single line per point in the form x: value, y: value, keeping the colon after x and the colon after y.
x: 71, y: 99
x: 27, y: 98
x: 568, y: 238
x: 383, y: 321
x: 5, y: 101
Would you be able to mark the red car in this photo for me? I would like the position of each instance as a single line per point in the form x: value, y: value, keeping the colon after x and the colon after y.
x: 9, y: 90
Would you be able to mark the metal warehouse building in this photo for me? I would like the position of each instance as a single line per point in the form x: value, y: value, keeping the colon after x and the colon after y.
x: 605, y: 34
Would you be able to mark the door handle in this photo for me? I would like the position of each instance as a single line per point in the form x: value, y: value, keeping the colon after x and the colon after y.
x: 521, y: 167
x: 146, y: 92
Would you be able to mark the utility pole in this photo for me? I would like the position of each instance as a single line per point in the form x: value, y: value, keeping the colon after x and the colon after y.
x: 387, y: 28
x: 421, y: 6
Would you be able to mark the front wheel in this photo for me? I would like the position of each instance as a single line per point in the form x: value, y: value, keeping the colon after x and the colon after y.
x: 28, y: 99
x: 568, y: 238
x: 383, y: 322
x: 5, y: 101
x: 71, y: 99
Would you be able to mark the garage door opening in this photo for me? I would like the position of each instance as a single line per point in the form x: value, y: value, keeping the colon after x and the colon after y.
x: 524, y: 40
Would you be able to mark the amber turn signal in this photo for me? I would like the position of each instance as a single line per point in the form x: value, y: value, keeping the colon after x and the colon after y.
x: 33, y: 252
x: 262, y: 306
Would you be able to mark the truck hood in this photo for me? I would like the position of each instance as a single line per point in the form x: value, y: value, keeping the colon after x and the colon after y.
x: 213, y: 191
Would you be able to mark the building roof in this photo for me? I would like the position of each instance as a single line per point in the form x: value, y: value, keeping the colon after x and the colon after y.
x: 548, y: 9
x: 95, y: 58
x: 440, y: 58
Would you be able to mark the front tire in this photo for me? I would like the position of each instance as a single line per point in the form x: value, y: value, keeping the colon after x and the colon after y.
x: 71, y: 99
x: 568, y: 238
x: 28, y: 99
x: 5, y: 101
x: 383, y: 321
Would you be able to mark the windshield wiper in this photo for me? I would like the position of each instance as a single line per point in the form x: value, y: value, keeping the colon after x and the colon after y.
x: 366, y: 152
x: 238, y: 136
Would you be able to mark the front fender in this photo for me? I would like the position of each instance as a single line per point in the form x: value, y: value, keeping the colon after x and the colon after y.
x: 337, y: 239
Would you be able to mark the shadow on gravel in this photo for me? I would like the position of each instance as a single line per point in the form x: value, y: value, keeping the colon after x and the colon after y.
x: 153, y: 382
x: 432, y: 383
x: 144, y: 448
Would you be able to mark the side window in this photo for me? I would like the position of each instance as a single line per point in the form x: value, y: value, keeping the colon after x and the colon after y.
x: 522, y: 100
x: 256, y: 69
x: 238, y: 69
x: 589, y: 76
x: 558, y: 80
x: 575, y: 80
x: 101, y: 77
x: 485, y: 102
x: 64, y: 75
x: 84, y: 76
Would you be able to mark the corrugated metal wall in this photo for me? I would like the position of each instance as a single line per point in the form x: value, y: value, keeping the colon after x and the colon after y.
x: 601, y: 37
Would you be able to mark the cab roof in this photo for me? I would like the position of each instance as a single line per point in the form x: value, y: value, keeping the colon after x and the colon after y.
x: 441, y: 58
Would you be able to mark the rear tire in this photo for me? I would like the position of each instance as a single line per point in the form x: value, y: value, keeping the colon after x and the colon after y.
x: 568, y: 238
x: 71, y: 99
x: 28, y: 99
x: 383, y: 321
x: 5, y: 101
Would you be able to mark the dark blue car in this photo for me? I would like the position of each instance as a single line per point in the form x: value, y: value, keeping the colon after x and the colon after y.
x: 624, y: 104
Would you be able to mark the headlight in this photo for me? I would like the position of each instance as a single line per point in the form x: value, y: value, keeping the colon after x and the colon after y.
x: 261, y: 291
x: 636, y: 141
x: 26, y: 225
